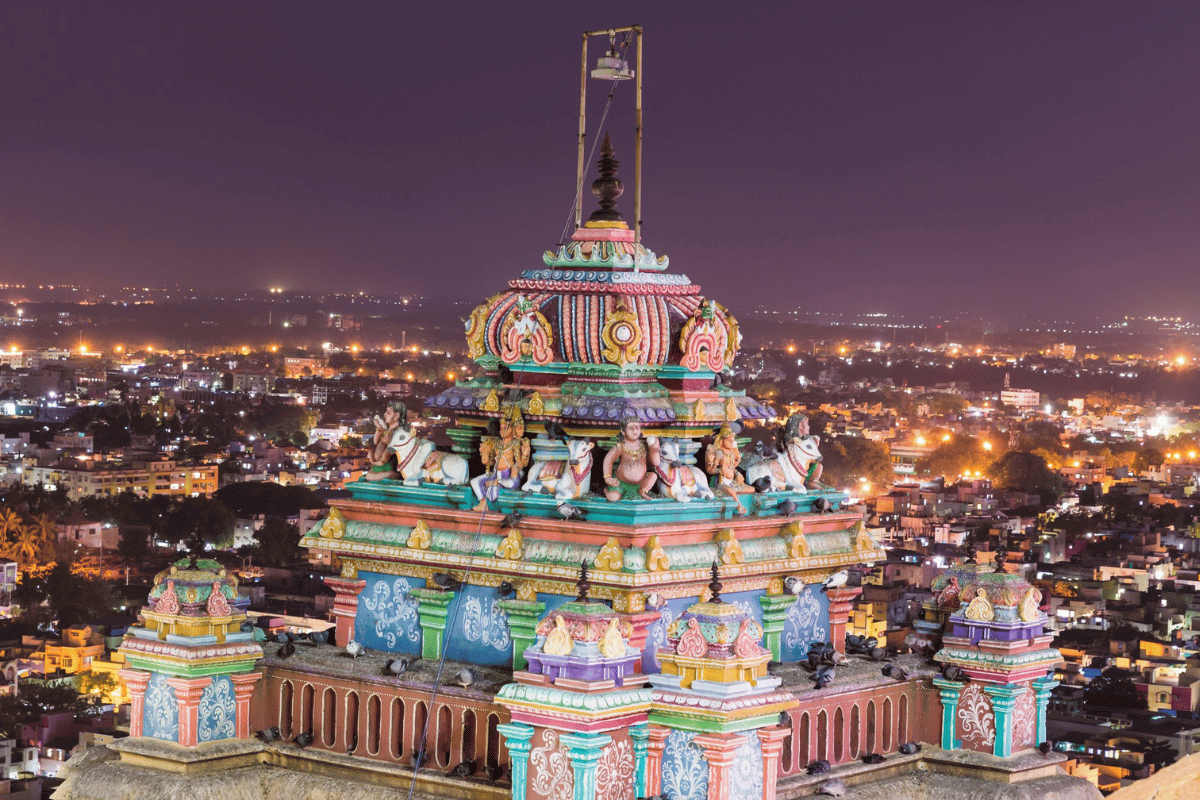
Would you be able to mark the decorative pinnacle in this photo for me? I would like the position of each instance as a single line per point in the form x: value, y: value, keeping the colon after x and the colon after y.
x: 607, y: 187
x: 971, y: 552
x: 583, y: 584
x: 195, y: 547
x: 1001, y: 557
x: 714, y: 585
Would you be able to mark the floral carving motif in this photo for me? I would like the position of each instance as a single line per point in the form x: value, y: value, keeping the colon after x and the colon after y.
x: 975, y: 718
x: 218, y: 606
x: 513, y: 546
x: 161, y: 715
x: 552, y: 776
x: 217, y: 710
x: 805, y: 624
x: 1024, y: 720
x: 526, y: 334
x: 420, y: 538
x: 684, y: 769
x: 692, y: 643
x: 168, y: 603
x: 980, y: 608
x: 614, y: 772
x: 1029, y: 610
x: 611, y: 556
x: 395, y: 614
x: 729, y: 546
x: 797, y: 545
x: 656, y: 558
x: 746, y: 645
x: 746, y: 771
x: 485, y: 624
x: 334, y: 526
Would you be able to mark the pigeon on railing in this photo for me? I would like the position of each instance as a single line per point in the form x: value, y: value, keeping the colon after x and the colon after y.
x: 270, y: 734
x: 303, y: 740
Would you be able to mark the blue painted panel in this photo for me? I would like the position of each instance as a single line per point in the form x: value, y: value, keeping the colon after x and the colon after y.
x: 476, y: 629
x: 387, y: 617
x: 218, y: 711
x: 807, y: 622
x: 160, y: 714
x: 746, y: 772
x: 684, y: 770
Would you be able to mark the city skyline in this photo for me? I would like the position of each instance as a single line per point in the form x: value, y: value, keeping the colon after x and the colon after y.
x: 1021, y: 155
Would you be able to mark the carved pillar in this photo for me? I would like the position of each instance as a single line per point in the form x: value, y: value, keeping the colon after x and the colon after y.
x: 1042, y: 687
x: 656, y: 741
x: 641, y: 622
x: 1003, y: 700
x: 433, y: 609
x: 719, y: 750
x: 639, y: 734
x: 523, y: 616
x: 516, y: 739
x: 243, y: 690
x: 775, y: 610
x: 948, y: 692
x: 772, y: 746
x: 841, y: 603
x: 136, y: 680
x: 187, y: 699
x: 585, y: 750
x: 345, y: 606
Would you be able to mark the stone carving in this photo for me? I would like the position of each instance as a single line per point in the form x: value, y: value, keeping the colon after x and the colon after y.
x: 379, y: 451
x: 551, y: 775
x: 217, y: 605
x: 721, y: 460
x: 484, y: 623
x: 505, y: 458
x: 611, y: 556
x: 621, y: 337
x: 168, y: 603
x: 797, y: 468
x: 334, y: 526
x: 862, y: 538
x: 559, y: 641
x: 746, y: 772
x: 657, y: 559
x: 676, y: 479
x: 393, y: 612
x: 729, y: 547
x: 796, y: 543
x: 980, y: 609
x: 420, y: 537
x: 161, y: 720
x: 1029, y: 610
x: 948, y: 597
x: 566, y: 480
x: 418, y: 460
x: 217, y: 711
x: 611, y: 643
x: 975, y: 717
x: 614, y: 772
x: 709, y: 339
x: 746, y: 644
x: 692, y: 642
x: 526, y: 333
x: 513, y: 546
x: 684, y: 767
x: 629, y: 468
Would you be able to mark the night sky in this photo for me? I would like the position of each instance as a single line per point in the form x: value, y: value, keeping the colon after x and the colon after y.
x: 1003, y: 158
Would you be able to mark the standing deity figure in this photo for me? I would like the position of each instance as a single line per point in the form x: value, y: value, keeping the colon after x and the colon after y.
x: 379, y: 454
x: 629, y: 468
x: 721, y: 462
x: 505, y: 458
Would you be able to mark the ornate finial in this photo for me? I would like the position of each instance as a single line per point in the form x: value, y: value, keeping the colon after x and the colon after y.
x: 714, y: 586
x: 583, y: 584
x: 971, y: 552
x: 1001, y: 557
x: 195, y: 548
x: 607, y: 187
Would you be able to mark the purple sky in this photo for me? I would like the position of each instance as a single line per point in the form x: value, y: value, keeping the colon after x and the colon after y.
x: 999, y: 157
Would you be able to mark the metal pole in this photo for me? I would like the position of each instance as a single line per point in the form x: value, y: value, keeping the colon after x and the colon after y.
x: 582, y: 133
x: 637, y: 152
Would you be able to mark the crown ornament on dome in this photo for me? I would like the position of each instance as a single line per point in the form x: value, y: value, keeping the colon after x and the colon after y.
x: 607, y: 188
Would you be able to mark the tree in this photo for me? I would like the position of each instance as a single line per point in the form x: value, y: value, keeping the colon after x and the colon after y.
x: 1148, y: 458
x: 100, y: 685
x: 1113, y: 688
x: 849, y: 459
x: 202, y: 516
x: 34, y: 700
x: 956, y: 457
x: 10, y: 523
x: 277, y: 543
x: 133, y: 543
x: 1026, y: 472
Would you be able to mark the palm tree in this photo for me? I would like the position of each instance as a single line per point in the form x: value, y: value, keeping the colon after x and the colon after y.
x: 9, y: 523
x: 28, y: 544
